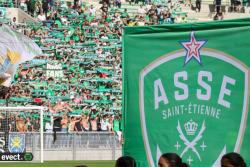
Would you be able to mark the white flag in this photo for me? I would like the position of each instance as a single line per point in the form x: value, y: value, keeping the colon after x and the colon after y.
x: 15, y: 48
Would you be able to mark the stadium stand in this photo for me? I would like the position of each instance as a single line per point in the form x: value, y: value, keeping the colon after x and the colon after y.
x: 79, y: 75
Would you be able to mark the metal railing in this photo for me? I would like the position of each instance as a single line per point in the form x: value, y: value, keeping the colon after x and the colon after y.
x: 71, y: 146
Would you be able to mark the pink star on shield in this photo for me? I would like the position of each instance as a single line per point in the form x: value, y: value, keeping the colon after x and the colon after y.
x: 193, y: 48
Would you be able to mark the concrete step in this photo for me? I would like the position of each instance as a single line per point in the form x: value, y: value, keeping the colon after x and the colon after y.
x: 20, y: 15
x: 205, y: 13
x: 236, y: 15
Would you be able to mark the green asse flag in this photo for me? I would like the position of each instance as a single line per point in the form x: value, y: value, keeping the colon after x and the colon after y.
x: 186, y: 90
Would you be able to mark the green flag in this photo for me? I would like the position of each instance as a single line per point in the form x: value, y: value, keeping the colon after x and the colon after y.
x: 186, y: 90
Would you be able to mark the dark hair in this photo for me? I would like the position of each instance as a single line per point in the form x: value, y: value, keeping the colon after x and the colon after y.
x: 4, y: 91
x: 174, y: 160
x: 125, y: 161
x: 234, y: 159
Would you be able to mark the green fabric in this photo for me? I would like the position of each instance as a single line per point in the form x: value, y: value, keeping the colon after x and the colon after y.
x: 38, y: 92
x: 50, y: 93
x: 86, y: 112
x: 20, y: 99
x: 58, y: 23
x: 90, y: 18
x: 95, y: 115
x: 73, y: 79
x: 173, y: 68
x: 116, y: 125
x: 2, y: 102
x: 35, y: 116
x: 124, y: 14
x: 47, y: 119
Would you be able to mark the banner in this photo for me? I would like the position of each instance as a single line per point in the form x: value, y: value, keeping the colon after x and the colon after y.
x: 2, y: 143
x: 186, y: 90
x: 15, y: 48
x: 54, y: 70
x: 16, y: 143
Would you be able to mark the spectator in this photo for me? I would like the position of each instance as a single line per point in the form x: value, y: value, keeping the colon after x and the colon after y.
x: 20, y: 123
x: 104, y: 9
x: 38, y: 7
x: 36, y: 125
x: 118, y: 3
x: 141, y: 11
x: 92, y: 10
x: 41, y: 17
x: 57, y: 127
x: 171, y: 160
x: 78, y: 127
x: 141, y: 22
x: 14, y: 23
x: 64, y: 123
x: 86, y: 46
x: 99, y: 127
x: 104, y: 123
x: 198, y: 5
x: 71, y: 126
x: 31, y: 6
x: 12, y: 124
x: 28, y: 125
x: 151, y: 13
x: 4, y: 125
x: 110, y: 124
x: 93, y: 122
x: 232, y: 160
x: 117, y: 127
x: 125, y: 14
x: 23, y: 5
x: 125, y: 161
x: 45, y: 6
x: 85, y: 122
x: 76, y: 3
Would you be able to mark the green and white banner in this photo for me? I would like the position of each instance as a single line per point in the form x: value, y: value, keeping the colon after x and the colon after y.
x: 186, y: 90
x: 54, y: 70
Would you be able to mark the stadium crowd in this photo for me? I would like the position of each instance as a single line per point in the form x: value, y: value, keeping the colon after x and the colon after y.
x: 78, y: 78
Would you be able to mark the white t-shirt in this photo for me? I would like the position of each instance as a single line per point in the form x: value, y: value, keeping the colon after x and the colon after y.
x: 92, y: 11
x: 104, y: 37
x: 41, y: 17
x: 94, y: 24
x: 63, y: 19
x: 104, y: 125
x: 148, y: 7
x: 141, y: 23
x: 141, y: 11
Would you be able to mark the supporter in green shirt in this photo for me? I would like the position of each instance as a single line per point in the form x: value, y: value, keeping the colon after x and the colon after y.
x: 116, y: 125
x: 124, y: 14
